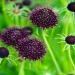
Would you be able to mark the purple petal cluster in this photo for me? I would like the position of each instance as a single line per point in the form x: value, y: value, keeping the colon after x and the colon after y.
x: 70, y: 40
x: 3, y: 52
x: 32, y: 49
x: 11, y: 35
x: 43, y: 17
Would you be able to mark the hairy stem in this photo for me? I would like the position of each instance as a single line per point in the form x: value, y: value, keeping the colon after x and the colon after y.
x: 21, y: 71
x: 51, y: 53
x: 3, y: 9
x: 70, y: 58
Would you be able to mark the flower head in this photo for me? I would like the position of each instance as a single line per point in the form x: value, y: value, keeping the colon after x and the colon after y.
x: 67, y: 40
x: 32, y: 49
x: 71, y: 6
x: 43, y: 17
x: 3, y: 52
x: 70, y: 40
x: 26, y: 2
x: 10, y: 35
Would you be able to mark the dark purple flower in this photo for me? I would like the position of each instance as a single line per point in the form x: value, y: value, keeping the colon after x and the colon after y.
x: 32, y: 49
x: 43, y: 17
x: 10, y: 35
x: 70, y: 40
x: 3, y: 52
x: 71, y: 6
x: 26, y: 2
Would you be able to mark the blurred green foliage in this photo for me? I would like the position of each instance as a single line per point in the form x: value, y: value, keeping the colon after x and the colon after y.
x: 55, y: 62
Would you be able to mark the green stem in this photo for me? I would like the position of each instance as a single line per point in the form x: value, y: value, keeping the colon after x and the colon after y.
x: 17, y: 21
x: 52, y: 32
x: 1, y: 60
x: 73, y: 23
x: 52, y: 55
x: 3, y: 8
x: 70, y: 58
x: 21, y: 71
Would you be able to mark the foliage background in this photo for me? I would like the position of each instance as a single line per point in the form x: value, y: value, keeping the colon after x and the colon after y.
x: 56, y: 61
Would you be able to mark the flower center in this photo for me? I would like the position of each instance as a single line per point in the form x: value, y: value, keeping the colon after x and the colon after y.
x: 16, y: 11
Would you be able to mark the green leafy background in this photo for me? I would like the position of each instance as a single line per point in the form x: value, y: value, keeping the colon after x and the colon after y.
x: 59, y: 60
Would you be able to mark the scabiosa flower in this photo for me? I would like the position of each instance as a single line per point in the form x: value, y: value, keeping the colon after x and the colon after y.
x: 70, y: 40
x: 13, y: 10
x: 71, y: 6
x: 10, y: 35
x: 32, y: 49
x: 26, y: 2
x: 3, y: 52
x: 43, y: 17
